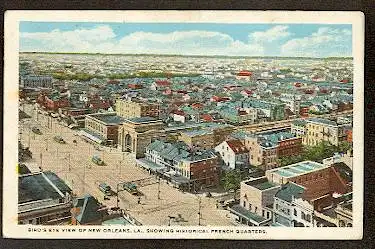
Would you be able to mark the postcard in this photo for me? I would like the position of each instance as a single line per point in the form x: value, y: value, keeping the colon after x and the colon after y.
x: 183, y: 124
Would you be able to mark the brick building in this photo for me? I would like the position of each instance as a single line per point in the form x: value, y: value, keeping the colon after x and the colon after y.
x: 102, y: 128
x: 134, y: 109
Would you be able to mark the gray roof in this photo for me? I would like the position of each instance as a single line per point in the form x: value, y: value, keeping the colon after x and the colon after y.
x: 88, y: 209
x: 290, y: 190
x: 109, y: 119
x: 35, y: 187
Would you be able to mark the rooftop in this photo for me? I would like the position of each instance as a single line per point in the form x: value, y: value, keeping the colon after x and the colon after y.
x: 261, y: 183
x: 322, y: 121
x: 142, y: 120
x: 40, y: 186
x: 297, y: 169
x: 108, y: 118
x: 290, y: 191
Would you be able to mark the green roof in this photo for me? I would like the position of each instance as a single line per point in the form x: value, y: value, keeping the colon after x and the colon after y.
x: 290, y: 191
x: 264, y: 185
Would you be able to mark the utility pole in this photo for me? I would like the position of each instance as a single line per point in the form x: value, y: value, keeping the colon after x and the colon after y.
x: 159, y: 188
x: 41, y: 161
x: 199, y: 211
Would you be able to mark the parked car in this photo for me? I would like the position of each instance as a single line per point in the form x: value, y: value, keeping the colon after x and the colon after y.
x: 59, y: 139
x: 36, y: 130
x: 131, y: 188
x: 105, y: 188
x: 97, y: 160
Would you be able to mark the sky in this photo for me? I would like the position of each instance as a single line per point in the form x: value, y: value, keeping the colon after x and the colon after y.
x: 292, y: 40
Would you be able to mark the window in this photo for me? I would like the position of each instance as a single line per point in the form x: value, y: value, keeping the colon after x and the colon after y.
x: 277, y: 206
x: 263, y: 213
x: 302, y: 215
x: 308, y: 217
x: 244, y: 204
x: 295, y: 212
x: 268, y: 215
x: 249, y: 206
x: 256, y: 209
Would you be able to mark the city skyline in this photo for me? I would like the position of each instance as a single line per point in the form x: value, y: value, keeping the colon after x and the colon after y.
x: 279, y: 40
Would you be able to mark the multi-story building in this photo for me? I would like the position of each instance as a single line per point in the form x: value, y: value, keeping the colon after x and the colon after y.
x: 207, y: 136
x: 317, y: 179
x: 256, y: 202
x: 291, y: 209
x: 296, y: 195
x: 262, y: 153
x: 273, y: 111
x: 43, y: 198
x: 37, y: 81
x: 191, y: 169
x: 234, y: 154
x: 317, y: 130
x: 133, y: 108
x: 102, y: 127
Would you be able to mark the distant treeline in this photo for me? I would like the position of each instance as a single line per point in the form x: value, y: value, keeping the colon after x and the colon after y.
x: 87, y: 77
x: 195, y: 56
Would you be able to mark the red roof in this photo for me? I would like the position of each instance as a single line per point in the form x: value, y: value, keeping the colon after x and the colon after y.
x: 244, y: 73
x: 219, y: 99
x: 197, y: 105
x: 162, y: 82
x: 207, y: 117
x: 248, y: 92
x: 237, y: 146
x: 179, y: 112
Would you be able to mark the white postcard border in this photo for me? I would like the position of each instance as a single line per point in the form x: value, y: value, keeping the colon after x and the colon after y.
x: 10, y: 185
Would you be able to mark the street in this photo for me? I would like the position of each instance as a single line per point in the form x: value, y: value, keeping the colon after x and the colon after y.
x: 72, y: 162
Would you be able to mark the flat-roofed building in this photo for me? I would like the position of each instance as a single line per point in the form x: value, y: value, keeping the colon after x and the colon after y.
x: 102, y: 127
x: 256, y: 202
x: 316, y: 130
x: 133, y: 108
x: 207, y: 136
x: 318, y: 179
x: 43, y: 198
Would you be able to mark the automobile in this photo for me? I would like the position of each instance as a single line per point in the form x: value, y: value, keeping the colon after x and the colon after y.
x: 36, y: 130
x: 97, y: 160
x: 105, y: 188
x: 59, y: 139
x: 131, y: 188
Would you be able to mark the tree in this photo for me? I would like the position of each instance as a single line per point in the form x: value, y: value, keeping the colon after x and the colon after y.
x: 231, y: 180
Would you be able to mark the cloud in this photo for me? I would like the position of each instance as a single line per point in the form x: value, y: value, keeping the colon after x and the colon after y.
x: 323, y: 43
x: 103, y: 39
x: 273, y: 34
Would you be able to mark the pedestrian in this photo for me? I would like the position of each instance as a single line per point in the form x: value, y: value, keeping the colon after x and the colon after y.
x: 139, y: 200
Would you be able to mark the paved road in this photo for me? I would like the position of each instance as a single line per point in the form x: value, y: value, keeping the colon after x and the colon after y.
x: 72, y: 162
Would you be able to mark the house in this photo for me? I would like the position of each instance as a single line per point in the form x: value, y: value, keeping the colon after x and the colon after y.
x: 234, y: 154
